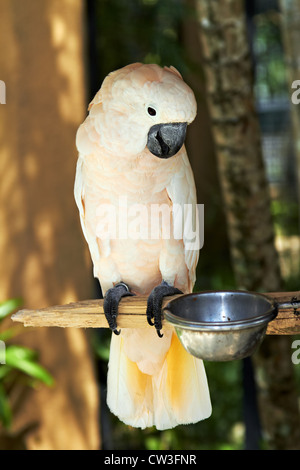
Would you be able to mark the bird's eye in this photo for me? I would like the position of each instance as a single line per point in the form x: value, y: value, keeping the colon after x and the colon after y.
x: 151, y: 111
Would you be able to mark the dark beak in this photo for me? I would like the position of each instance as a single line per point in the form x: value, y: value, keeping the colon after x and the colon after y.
x: 165, y: 140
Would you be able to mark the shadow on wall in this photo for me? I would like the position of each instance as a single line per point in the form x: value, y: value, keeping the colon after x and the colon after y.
x: 40, y: 240
x: 43, y: 253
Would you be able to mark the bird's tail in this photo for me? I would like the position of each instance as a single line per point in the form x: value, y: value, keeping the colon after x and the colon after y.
x: 154, y: 381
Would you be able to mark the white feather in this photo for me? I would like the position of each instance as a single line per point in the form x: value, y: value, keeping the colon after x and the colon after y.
x: 79, y: 194
x: 182, y: 192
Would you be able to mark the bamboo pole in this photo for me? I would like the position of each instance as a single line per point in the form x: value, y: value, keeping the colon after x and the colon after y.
x: 132, y: 314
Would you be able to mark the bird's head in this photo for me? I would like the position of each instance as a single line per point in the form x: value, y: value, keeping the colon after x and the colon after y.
x: 142, y: 107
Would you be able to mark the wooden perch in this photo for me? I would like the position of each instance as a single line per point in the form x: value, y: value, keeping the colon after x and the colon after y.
x: 89, y: 314
x: 132, y: 313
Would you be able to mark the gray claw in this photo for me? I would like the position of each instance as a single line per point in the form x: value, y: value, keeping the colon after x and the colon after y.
x: 112, y: 299
x: 154, y: 304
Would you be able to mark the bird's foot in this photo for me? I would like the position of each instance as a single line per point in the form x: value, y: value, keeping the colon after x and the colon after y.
x: 112, y: 299
x: 154, y: 304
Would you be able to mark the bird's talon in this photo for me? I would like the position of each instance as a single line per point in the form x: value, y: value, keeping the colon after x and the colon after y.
x: 154, y: 304
x: 112, y: 299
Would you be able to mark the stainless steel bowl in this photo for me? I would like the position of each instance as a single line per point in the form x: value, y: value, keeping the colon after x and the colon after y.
x: 221, y: 326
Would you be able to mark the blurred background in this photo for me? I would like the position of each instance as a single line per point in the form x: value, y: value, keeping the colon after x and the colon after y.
x: 240, y: 58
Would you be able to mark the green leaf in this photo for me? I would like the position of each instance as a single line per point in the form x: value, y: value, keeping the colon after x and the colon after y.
x: 23, y: 359
x: 36, y: 371
x: 8, y: 307
x: 5, y: 410
x: 4, y: 371
x: 15, y: 353
x: 102, y: 351
x: 9, y: 333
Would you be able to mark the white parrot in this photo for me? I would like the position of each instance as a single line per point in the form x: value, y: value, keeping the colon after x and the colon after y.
x: 132, y: 154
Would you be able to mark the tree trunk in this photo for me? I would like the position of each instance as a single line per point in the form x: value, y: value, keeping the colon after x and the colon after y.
x: 237, y: 138
x: 290, y: 26
x: 202, y: 155
x: 229, y: 85
x: 42, y: 250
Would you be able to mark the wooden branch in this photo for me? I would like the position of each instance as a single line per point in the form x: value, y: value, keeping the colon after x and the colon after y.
x: 89, y: 314
x: 132, y: 314
x: 287, y: 321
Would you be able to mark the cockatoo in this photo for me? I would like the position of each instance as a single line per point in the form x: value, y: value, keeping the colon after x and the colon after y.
x: 132, y: 156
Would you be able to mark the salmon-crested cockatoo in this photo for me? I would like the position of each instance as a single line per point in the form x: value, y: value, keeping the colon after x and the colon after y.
x: 132, y: 159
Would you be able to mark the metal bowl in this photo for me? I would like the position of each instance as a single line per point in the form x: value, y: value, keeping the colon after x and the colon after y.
x: 221, y: 326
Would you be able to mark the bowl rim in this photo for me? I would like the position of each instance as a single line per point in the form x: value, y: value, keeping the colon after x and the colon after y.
x: 255, y: 321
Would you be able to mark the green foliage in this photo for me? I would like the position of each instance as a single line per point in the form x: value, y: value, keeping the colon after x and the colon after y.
x: 5, y: 410
x: 140, y: 31
x: 285, y: 214
x: 24, y: 359
x: 270, y: 72
x: 20, y: 365
x: 7, y: 307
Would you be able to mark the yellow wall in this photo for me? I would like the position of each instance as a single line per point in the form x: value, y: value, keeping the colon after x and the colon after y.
x: 43, y: 254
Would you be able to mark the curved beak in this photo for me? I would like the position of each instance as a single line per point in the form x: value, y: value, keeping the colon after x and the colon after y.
x: 165, y: 140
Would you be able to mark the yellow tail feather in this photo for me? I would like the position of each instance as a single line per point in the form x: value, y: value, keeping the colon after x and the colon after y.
x: 177, y: 394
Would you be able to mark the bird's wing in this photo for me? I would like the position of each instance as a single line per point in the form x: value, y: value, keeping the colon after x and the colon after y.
x: 79, y: 194
x: 182, y: 192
